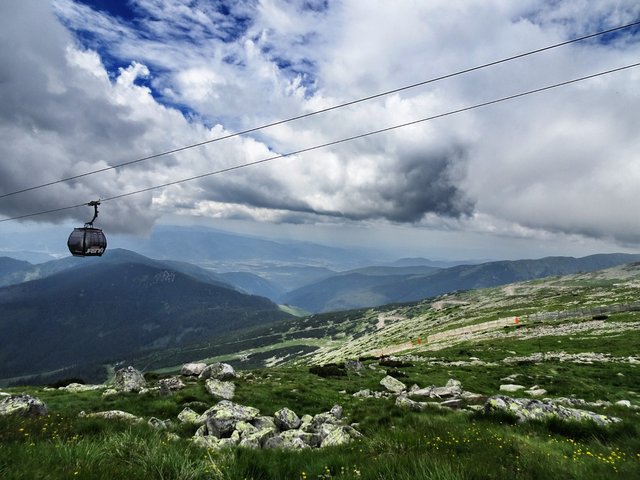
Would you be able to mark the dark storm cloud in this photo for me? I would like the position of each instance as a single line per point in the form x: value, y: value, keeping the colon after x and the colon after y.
x: 262, y: 193
x: 425, y: 183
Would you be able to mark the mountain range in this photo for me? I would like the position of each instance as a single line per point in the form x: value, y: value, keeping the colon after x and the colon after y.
x: 379, y: 286
x: 104, y: 312
x: 95, y: 311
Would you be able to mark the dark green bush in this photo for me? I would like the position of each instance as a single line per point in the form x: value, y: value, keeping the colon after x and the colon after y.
x: 66, y: 381
x: 328, y: 370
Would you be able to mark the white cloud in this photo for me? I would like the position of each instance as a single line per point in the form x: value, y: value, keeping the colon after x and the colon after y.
x: 562, y: 162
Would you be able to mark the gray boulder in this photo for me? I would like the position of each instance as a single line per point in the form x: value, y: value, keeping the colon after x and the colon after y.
x: 209, y: 442
x: 453, y: 388
x: 220, y: 389
x: 260, y: 437
x: 355, y: 366
x: 228, y: 424
x: 172, y: 384
x: 336, y: 411
x: 192, y: 369
x: 109, y: 392
x: 404, y: 402
x: 286, y: 419
x: 187, y: 415
x: 392, y: 384
x: 262, y: 422
x: 220, y: 427
x: 79, y: 387
x: 22, y: 405
x: 158, y: 424
x: 129, y: 380
x: 366, y: 393
x: 338, y: 436
x: 530, y: 409
x: 422, y: 392
x: 112, y: 415
x: 227, y: 409
x: 219, y: 371
x: 221, y: 419
x: 274, y: 442
x: 306, y: 437
x: 511, y: 387
x: 536, y: 392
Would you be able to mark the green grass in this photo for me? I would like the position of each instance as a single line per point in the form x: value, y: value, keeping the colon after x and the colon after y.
x: 396, y: 443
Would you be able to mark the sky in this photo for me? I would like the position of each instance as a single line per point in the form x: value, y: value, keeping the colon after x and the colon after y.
x: 89, y: 84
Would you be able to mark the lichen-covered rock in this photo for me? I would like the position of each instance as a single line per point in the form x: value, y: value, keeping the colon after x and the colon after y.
x: 392, y: 384
x: 245, y: 429
x: 228, y: 424
x: 109, y: 392
x: 22, y: 405
x: 157, y: 423
x: 172, y: 384
x: 453, y: 388
x: 261, y: 436
x: 305, y: 422
x: 187, y: 415
x: 112, y: 415
x: 322, y: 419
x: 404, y: 402
x: 536, y: 392
x: 308, y: 438
x: 286, y: 419
x: 145, y: 390
x: 219, y: 371
x: 129, y: 380
x: 220, y: 427
x: 262, y: 422
x: 336, y: 411
x: 207, y: 441
x: 223, y: 419
x: 273, y: 442
x: 511, y: 387
x: 530, y: 409
x: 339, y: 436
x: 79, y: 387
x: 422, y: 392
x: 227, y: 409
x: 192, y: 369
x: 248, y: 442
x: 220, y: 389
x: 366, y: 393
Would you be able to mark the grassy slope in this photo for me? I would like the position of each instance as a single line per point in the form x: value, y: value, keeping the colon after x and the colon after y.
x: 335, y: 336
x: 397, y: 444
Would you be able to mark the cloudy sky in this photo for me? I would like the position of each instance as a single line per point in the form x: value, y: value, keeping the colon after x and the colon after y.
x: 89, y: 84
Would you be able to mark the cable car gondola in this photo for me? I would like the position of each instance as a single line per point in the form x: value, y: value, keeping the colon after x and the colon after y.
x: 88, y: 241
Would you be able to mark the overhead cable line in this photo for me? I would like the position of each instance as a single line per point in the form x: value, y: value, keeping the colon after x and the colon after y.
x: 324, y: 110
x: 340, y: 141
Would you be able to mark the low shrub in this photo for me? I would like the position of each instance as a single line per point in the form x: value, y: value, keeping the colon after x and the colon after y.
x: 328, y: 370
x: 388, y: 362
x: 66, y: 381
